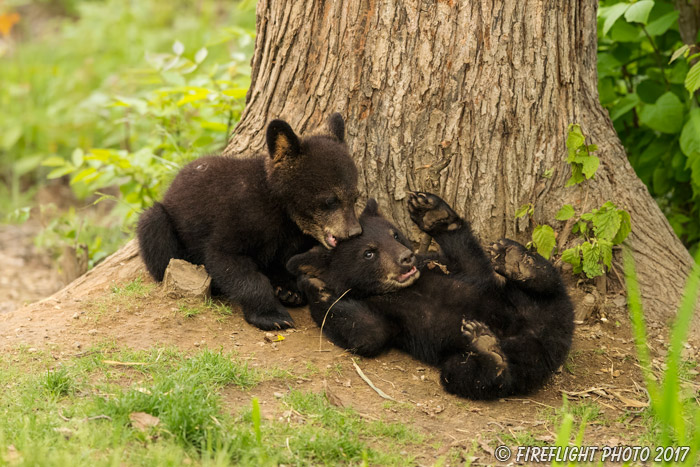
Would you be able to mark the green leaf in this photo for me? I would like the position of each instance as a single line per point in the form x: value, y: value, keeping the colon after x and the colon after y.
x: 572, y: 256
x: 666, y: 115
x: 694, y: 165
x: 591, y: 260
x: 639, y: 12
x: 575, y: 138
x: 237, y: 93
x: 681, y: 51
x: 10, y: 137
x: 606, y: 221
x: 54, y: 161
x: 692, y: 80
x: 623, y: 106
x: 690, y: 136
x: 590, y: 166
x: 625, y: 227
x: 623, y: 31
x: 544, y: 239
x: 83, y: 174
x: 77, y: 157
x: 27, y: 163
x: 662, y: 24
x: 60, y: 171
x: 606, y: 252
x: 523, y: 210
x: 576, y: 176
x: 548, y: 173
x: 612, y: 14
x: 214, y: 126
x: 178, y: 48
x: 201, y: 55
x: 566, y: 212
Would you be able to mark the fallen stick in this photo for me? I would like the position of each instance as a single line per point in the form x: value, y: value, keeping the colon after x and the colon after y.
x: 370, y: 383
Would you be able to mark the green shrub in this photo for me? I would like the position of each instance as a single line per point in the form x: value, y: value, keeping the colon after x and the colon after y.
x: 648, y: 81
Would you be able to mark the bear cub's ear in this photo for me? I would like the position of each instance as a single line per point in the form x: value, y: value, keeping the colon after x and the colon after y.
x: 312, y: 263
x: 282, y: 142
x: 336, y: 125
x: 371, y: 208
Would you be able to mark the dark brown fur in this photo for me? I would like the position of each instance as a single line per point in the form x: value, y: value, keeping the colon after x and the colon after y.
x: 497, y: 322
x: 244, y: 218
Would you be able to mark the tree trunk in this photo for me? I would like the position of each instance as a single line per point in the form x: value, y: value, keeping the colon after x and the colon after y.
x: 689, y: 20
x: 468, y: 99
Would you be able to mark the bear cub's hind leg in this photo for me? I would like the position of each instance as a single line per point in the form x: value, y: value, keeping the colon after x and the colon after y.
x: 485, y: 342
x: 528, y: 269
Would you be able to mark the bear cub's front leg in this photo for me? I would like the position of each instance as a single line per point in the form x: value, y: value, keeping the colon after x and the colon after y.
x: 431, y: 214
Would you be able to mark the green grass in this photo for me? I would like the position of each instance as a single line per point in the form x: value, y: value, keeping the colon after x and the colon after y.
x: 78, y: 413
x: 135, y: 288
x: 190, y: 308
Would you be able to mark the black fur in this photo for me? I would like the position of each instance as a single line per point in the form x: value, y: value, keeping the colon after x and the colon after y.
x: 496, y: 322
x: 244, y: 218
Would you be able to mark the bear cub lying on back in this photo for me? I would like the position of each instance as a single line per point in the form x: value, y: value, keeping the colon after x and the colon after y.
x: 496, y: 322
x: 244, y: 218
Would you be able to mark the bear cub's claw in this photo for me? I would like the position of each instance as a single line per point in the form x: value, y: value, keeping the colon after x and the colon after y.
x: 271, y: 321
x: 484, y: 342
x: 512, y: 260
x: 430, y: 213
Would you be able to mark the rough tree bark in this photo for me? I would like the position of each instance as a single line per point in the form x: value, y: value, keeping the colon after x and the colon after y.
x: 469, y: 99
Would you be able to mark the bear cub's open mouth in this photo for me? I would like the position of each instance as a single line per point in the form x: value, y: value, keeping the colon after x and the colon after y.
x: 331, y: 241
x: 407, y: 275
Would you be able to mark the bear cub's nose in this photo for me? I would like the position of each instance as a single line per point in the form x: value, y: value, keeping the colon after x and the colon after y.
x: 407, y: 258
x: 354, y: 231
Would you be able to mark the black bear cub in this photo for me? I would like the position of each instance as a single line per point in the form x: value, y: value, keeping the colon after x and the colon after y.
x: 244, y: 218
x: 496, y: 322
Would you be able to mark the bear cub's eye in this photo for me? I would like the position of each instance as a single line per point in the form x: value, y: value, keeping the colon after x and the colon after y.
x: 369, y: 254
x: 332, y: 202
x: 396, y: 236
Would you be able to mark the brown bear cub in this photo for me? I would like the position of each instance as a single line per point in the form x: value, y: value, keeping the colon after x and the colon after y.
x: 244, y: 218
x: 496, y: 322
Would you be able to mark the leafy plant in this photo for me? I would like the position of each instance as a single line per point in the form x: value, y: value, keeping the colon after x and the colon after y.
x: 168, y: 86
x: 598, y: 230
x: 648, y: 80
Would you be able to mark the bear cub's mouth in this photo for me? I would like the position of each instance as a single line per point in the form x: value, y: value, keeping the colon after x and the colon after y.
x: 407, y: 275
x: 330, y: 240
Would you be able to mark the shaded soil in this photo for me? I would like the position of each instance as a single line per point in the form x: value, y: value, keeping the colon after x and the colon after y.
x: 602, y: 369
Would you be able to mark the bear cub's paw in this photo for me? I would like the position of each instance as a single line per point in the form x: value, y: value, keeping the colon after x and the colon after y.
x: 512, y: 260
x: 289, y: 297
x: 272, y: 320
x: 484, y: 342
x: 432, y: 214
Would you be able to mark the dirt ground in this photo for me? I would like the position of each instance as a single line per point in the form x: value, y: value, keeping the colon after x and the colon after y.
x: 602, y: 369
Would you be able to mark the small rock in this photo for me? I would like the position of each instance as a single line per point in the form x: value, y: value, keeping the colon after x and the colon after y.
x: 77, y: 345
x: 31, y: 350
x: 76, y: 315
x: 92, y: 332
